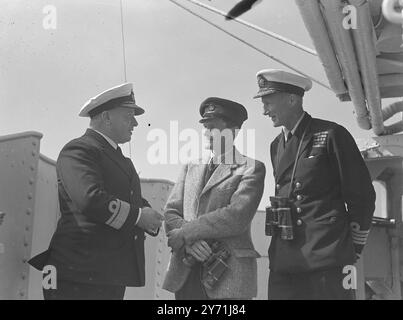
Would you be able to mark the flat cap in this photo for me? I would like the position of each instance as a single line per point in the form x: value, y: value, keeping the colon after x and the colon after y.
x: 214, y: 107
x: 273, y: 80
x: 119, y: 96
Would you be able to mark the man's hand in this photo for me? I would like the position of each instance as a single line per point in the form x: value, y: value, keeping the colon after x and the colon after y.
x: 150, y: 220
x: 175, y: 239
x: 200, y: 250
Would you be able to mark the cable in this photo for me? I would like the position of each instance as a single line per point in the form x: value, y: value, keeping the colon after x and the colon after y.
x: 259, y: 29
x: 124, y: 59
x: 250, y: 45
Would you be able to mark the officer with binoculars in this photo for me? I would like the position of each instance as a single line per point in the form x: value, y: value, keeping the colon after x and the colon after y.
x: 324, y: 200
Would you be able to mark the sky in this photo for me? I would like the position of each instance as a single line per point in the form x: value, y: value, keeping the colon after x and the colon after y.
x: 173, y: 59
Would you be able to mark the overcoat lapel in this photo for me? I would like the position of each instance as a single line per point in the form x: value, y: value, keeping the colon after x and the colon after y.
x: 196, y: 175
x: 288, y: 158
x: 222, y: 172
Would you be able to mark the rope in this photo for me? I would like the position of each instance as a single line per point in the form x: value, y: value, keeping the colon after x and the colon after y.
x: 256, y: 28
x: 250, y: 45
x: 124, y: 59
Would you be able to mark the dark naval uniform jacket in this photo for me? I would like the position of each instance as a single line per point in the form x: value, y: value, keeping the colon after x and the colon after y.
x: 96, y: 239
x: 332, y: 193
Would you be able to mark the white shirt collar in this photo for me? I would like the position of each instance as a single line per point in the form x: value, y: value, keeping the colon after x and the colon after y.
x: 110, y: 141
x: 285, y: 130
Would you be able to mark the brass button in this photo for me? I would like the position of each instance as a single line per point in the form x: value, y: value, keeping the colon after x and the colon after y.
x: 299, y: 210
x: 135, y: 237
x: 277, y: 186
x: 298, y: 185
x: 299, y: 222
x: 131, y: 192
x: 299, y: 197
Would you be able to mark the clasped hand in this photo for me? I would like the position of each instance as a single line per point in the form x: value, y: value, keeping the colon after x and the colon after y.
x: 150, y: 220
x: 200, y: 250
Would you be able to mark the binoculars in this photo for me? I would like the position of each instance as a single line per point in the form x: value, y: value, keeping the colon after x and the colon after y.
x: 214, y: 267
x: 278, y: 216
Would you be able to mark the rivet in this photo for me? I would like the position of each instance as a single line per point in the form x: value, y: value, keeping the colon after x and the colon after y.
x: 31, y: 181
x: 25, y: 244
x: 30, y: 195
x: 24, y: 260
x: 29, y: 211
x: 22, y: 293
x: 34, y: 143
x: 27, y: 228
x: 32, y: 168
x: 23, y: 276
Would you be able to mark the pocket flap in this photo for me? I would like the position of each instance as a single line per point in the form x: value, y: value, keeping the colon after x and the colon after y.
x: 246, y: 253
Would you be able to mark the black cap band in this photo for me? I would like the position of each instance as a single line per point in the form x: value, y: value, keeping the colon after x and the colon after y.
x: 284, y: 87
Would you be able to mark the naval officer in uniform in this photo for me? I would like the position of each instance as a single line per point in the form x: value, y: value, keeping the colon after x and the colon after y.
x: 318, y: 167
x: 214, y: 202
x: 98, y: 246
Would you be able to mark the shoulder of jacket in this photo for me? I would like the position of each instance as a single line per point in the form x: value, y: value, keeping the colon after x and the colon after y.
x: 324, y: 129
x: 83, y: 143
x: 320, y: 124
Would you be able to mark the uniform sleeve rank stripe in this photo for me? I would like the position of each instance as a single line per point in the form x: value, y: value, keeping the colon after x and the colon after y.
x: 114, y: 207
x: 359, y: 235
x: 120, y: 215
x: 360, y: 238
